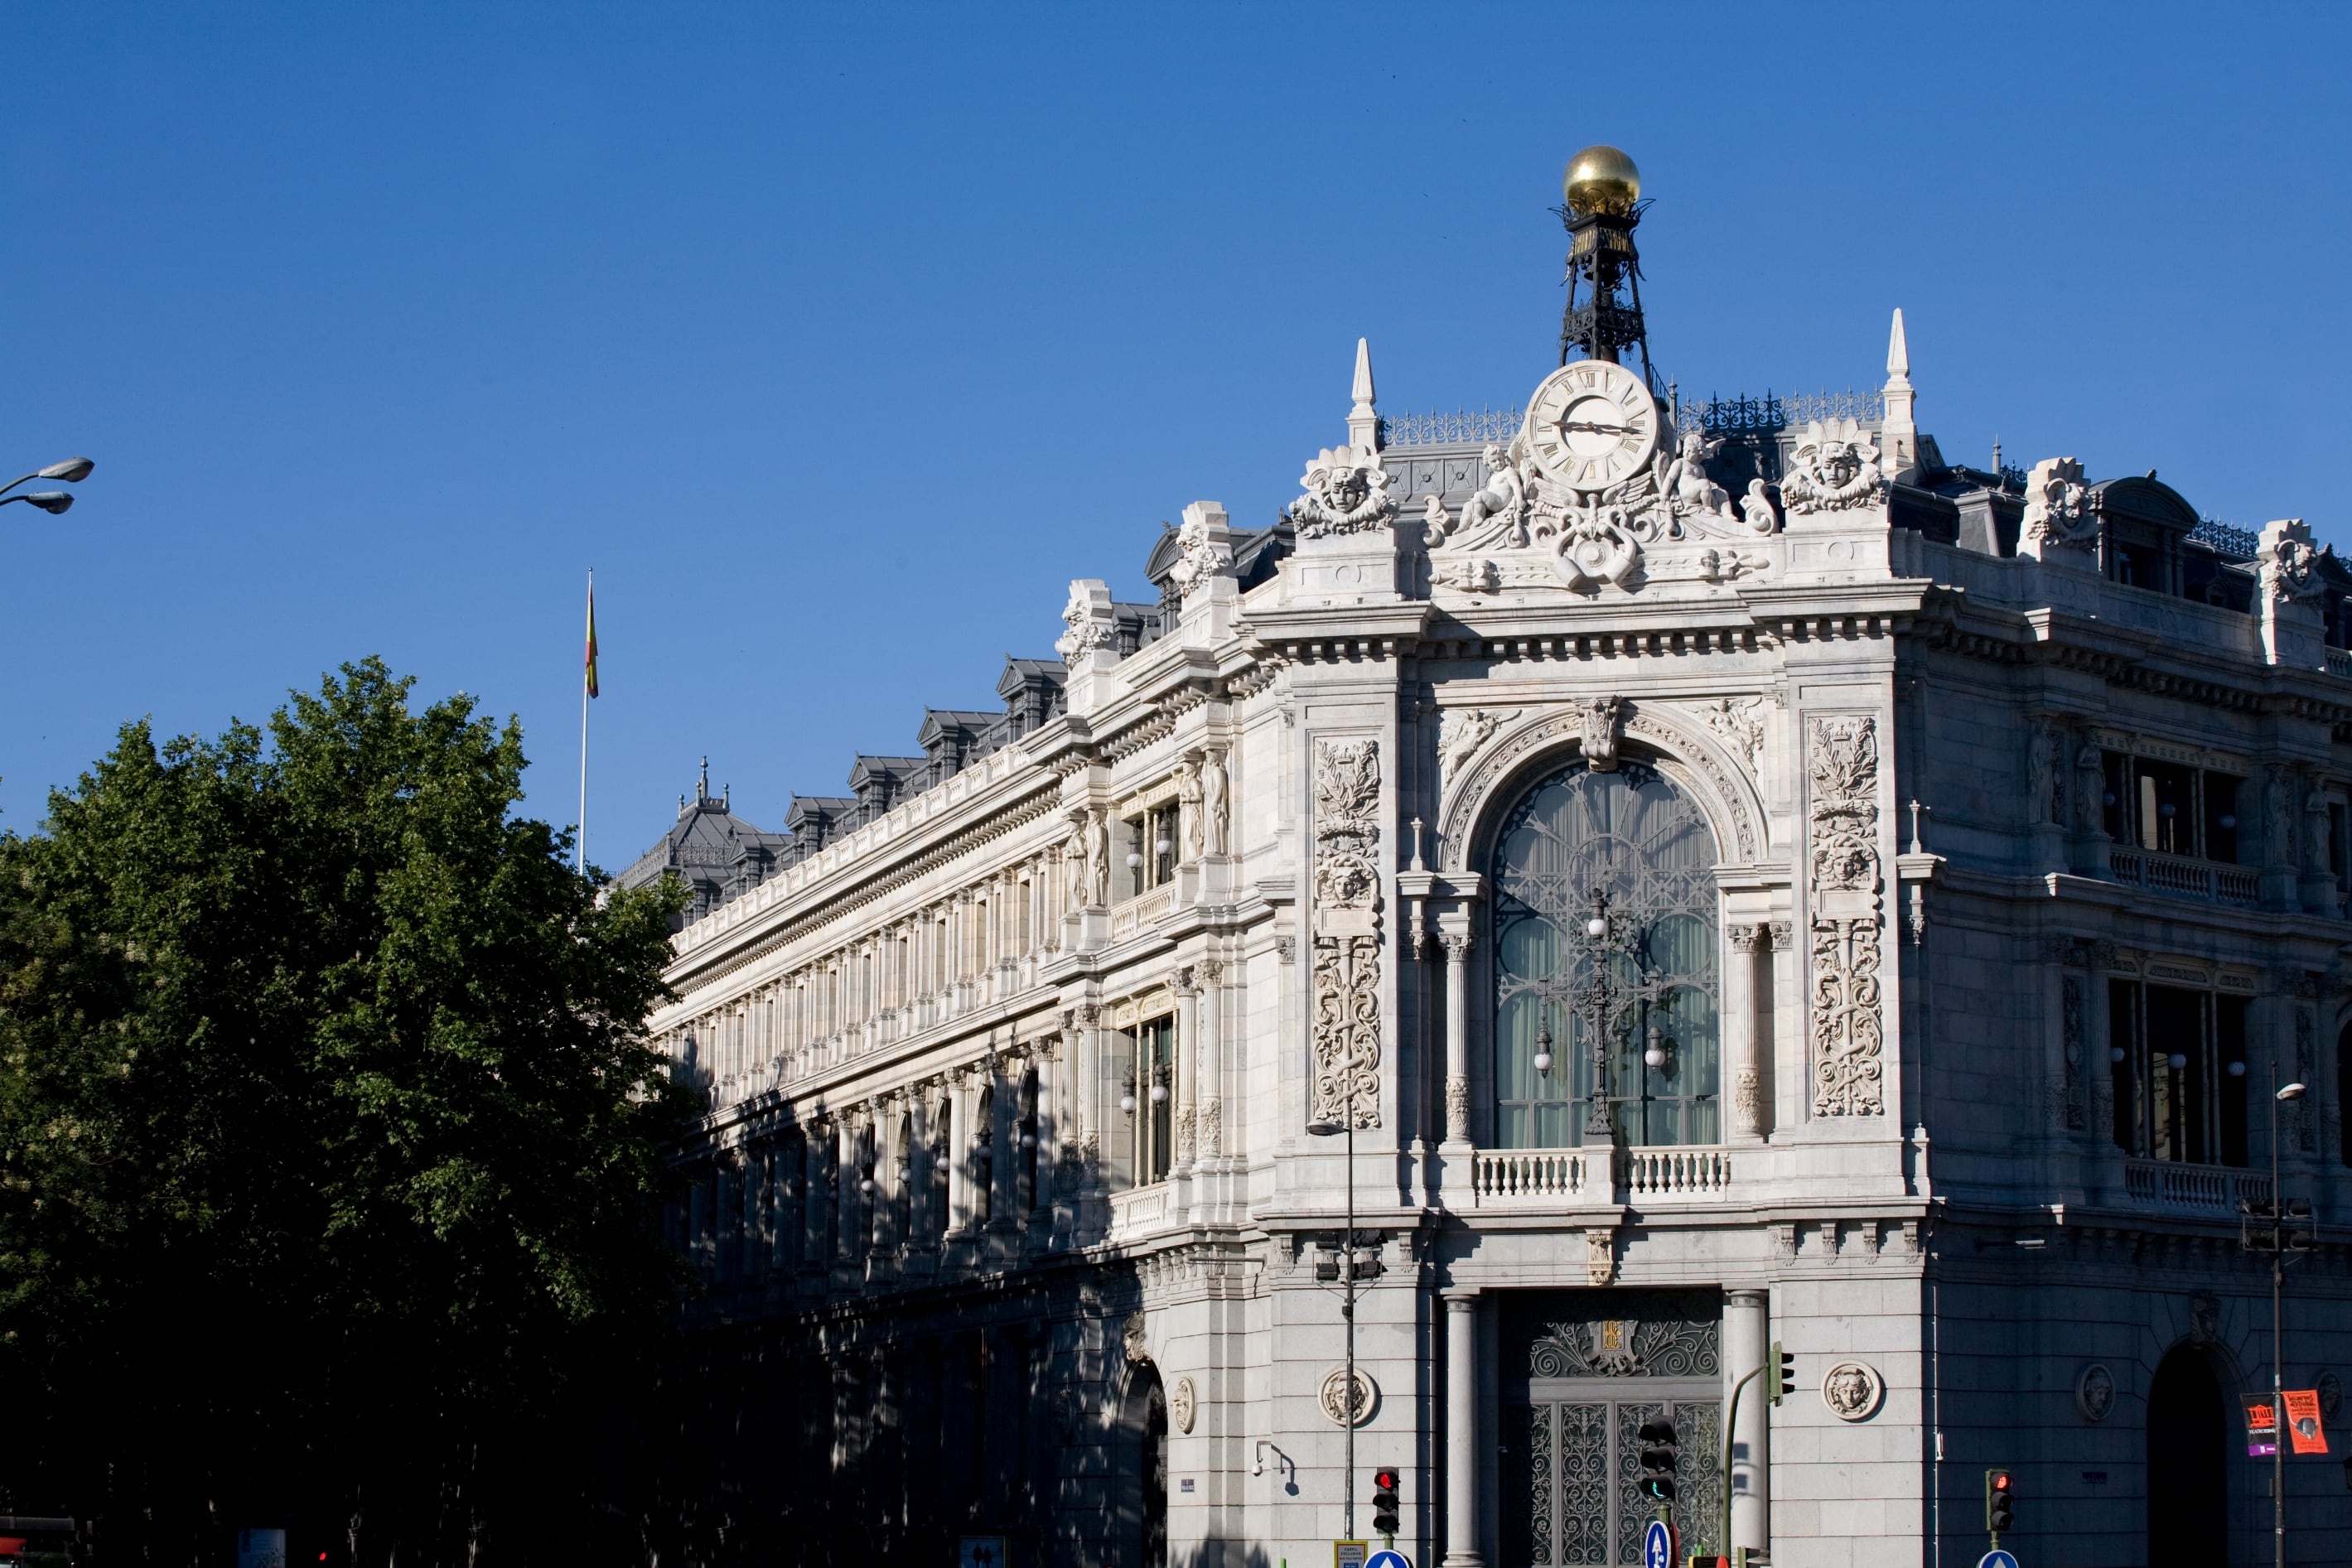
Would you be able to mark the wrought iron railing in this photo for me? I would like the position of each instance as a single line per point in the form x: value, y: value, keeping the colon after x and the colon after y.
x: 1746, y: 415
x: 1463, y: 428
x: 2233, y: 543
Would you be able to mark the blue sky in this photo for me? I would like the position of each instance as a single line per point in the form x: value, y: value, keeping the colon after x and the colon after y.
x: 838, y: 339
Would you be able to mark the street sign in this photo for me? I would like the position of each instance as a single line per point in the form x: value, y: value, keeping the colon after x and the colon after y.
x: 1997, y: 1558
x: 1389, y: 1559
x: 1658, y: 1545
x: 1350, y: 1553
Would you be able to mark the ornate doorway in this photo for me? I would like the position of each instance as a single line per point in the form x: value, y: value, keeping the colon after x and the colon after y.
x: 1584, y: 1370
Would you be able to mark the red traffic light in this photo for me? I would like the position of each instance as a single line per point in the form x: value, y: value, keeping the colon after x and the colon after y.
x: 2000, y: 1479
x: 1385, y: 1479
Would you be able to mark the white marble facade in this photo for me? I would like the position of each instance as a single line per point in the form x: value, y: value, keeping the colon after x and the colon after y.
x: 971, y: 1266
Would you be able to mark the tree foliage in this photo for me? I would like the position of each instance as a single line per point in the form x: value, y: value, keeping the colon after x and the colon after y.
x: 330, y: 1141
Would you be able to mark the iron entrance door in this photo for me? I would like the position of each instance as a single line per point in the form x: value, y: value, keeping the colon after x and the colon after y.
x: 1584, y: 1370
x: 1579, y: 1461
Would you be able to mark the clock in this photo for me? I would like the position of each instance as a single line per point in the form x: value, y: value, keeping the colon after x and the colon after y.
x: 1592, y: 424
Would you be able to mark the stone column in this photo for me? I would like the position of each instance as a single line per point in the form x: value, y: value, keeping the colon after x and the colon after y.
x: 918, y: 1163
x: 1087, y: 1093
x: 1744, y: 1346
x: 1749, y: 1090
x: 962, y: 1106
x: 1211, y: 1060
x: 1187, y: 1043
x: 846, y: 1177
x: 816, y: 1159
x: 1053, y: 1056
x: 883, y: 1227
x: 1004, y: 1145
x: 1457, y: 1037
x: 1461, y: 1431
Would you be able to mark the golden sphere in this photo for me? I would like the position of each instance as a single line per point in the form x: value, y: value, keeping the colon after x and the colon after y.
x: 1602, y: 180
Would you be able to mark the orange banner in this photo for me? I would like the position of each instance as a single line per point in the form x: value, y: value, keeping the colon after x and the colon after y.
x: 2302, y: 1420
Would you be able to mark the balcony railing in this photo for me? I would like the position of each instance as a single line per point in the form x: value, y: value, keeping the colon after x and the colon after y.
x: 1138, y: 1211
x: 1141, y: 912
x: 1668, y: 1173
x: 2181, y: 877
x: 2217, y: 1190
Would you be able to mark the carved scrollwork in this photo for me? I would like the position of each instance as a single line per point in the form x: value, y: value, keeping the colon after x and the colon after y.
x: 1639, y: 1335
x: 1347, y: 826
x: 1842, y: 761
x: 1348, y: 1031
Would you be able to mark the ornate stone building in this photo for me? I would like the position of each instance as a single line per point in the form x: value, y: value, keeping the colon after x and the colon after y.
x: 1731, y: 875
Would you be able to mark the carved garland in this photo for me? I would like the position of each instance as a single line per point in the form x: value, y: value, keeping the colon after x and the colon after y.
x: 1346, y: 962
x: 1841, y: 763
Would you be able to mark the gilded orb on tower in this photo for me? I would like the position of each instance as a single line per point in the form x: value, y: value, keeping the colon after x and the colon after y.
x: 1602, y: 180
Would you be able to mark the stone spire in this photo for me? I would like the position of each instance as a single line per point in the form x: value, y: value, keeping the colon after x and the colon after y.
x: 1363, y: 424
x: 1899, y: 436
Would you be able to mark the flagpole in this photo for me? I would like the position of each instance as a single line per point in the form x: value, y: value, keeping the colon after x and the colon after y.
x: 579, y: 848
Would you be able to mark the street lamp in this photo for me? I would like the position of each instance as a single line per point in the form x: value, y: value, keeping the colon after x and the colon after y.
x: 73, y: 471
x: 2273, y: 1238
x: 1324, y: 1128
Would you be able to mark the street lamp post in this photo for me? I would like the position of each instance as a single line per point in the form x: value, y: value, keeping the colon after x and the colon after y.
x: 2272, y: 1236
x: 1323, y: 1128
x: 72, y: 471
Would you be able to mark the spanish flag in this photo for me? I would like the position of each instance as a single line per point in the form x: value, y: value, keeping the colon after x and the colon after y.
x: 592, y: 634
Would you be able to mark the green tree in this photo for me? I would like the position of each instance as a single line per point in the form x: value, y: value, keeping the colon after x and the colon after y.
x: 330, y: 1142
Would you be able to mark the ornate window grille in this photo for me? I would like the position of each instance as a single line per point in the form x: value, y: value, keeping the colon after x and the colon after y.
x: 1652, y: 985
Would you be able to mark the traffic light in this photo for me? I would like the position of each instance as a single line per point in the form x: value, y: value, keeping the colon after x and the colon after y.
x: 1660, y: 1457
x: 2000, y: 1504
x: 1385, y: 1502
x: 1780, y: 1373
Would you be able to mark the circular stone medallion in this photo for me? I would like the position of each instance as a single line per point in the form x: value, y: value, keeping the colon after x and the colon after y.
x: 2094, y: 1391
x: 1335, y: 1401
x: 1181, y: 1404
x: 1852, y: 1390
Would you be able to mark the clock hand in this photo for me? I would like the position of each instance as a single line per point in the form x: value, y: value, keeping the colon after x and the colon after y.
x: 1596, y: 429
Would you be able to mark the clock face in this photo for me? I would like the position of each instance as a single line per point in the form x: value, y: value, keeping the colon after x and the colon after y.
x: 1592, y: 424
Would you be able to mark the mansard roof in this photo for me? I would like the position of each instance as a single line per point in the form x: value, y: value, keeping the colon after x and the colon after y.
x: 708, y: 847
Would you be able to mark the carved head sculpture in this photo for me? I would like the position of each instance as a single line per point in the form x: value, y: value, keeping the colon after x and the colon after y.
x: 1693, y: 447
x: 1849, y: 1390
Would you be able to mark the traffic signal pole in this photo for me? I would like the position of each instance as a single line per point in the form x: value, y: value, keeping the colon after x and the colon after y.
x: 1730, y: 1420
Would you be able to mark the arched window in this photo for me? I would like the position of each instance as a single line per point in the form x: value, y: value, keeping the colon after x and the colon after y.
x: 1649, y: 982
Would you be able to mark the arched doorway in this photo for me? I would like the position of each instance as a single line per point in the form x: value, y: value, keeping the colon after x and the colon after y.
x: 2187, y: 1464
x: 1143, y: 1472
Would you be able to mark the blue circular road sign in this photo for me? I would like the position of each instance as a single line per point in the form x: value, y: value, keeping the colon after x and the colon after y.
x: 1658, y: 1546
x: 1997, y: 1558
x: 1388, y: 1559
